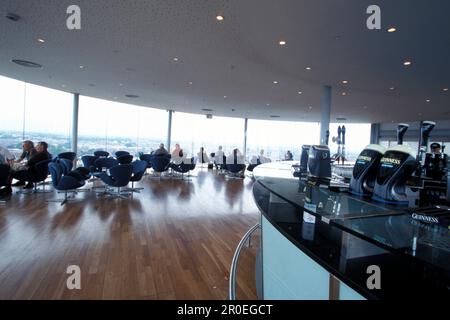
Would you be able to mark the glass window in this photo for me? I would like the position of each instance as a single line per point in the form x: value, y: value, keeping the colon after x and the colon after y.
x: 152, y: 130
x: 193, y: 131
x: 112, y: 126
x: 34, y: 113
x: 277, y: 137
x: 11, y: 119
x: 357, y: 137
x: 48, y: 117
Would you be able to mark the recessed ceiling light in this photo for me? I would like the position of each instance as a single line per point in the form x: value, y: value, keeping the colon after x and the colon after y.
x: 308, y: 68
x: 428, y: 100
x: 220, y: 17
x: 268, y: 104
x: 275, y: 82
x: 175, y: 59
x: 81, y: 67
x: 190, y: 82
x: 407, y: 63
x: 391, y: 29
x: 344, y: 93
x: 282, y: 42
x: 310, y: 107
x: 445, y: 89
x: 40, y: 40
x: 225, y: 97
x: 392, y: 88
x: 25, y: 63
x: 344, y: 81
x: 300, y: 92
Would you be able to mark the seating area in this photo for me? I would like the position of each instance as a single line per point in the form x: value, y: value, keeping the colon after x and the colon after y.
x: 112, y: 175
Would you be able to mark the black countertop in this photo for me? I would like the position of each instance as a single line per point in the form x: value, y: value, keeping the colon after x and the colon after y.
x: 351, y: 234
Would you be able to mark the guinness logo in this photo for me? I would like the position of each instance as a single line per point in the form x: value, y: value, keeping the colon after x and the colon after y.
x: 423, y: 218
x: 390, y: 160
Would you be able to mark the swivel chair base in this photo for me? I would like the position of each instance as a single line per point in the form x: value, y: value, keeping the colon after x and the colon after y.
x: 35, y: 190
x: 133, y: 189
x: 66, y: 198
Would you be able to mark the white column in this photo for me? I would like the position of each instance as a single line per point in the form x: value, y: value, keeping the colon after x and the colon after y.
x: 169, y: 130
x: 75, y: 109
x: 326, y: 111
x: 245, y: 137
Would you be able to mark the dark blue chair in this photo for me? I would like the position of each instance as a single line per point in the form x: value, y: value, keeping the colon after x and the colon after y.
x: 147, y: 158
x: 125, y: 159
x: 66, y: 165
x: 160, y: 164
x: 63, y: 183
x: 88, y: 163
x: 234, y: 169
x: 101, y: 154
x: 121, y: 153
x: 67, y: 155
x: 119, y: 176
x: 184, y: 167
x: 35, y: 175
x: 104, y: 163
x: 5, y: 171
x: 139, y: 168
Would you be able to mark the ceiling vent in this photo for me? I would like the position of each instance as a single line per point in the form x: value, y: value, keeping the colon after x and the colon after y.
x: 25, y: 63
x: 12, y: 16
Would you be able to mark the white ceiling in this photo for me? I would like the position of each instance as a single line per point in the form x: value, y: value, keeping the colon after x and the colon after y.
x: 133, y: 43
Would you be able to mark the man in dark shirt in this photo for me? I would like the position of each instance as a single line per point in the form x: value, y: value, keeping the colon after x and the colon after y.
x: 24, y: 174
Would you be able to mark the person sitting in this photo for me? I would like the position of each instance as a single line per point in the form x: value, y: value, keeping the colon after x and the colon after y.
x: 28, y: 151
x: 22, y: 174
x: 6, y: 157
x: 202, y: 157
x: 263, y: 159
x: 288, y: 156
x: 161, y: 151
x: 218, y: 158
x: 177, y: 154
x: 236, y: 157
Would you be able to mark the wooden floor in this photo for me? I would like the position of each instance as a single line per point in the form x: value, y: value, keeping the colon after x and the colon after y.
x: 175, y: 240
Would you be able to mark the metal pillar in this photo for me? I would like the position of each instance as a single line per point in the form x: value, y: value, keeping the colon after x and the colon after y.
x: 375, y: 133
x: 326, y: 111
x: 169, y: 130
x: 245, y: 137
x: 75, y: 109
